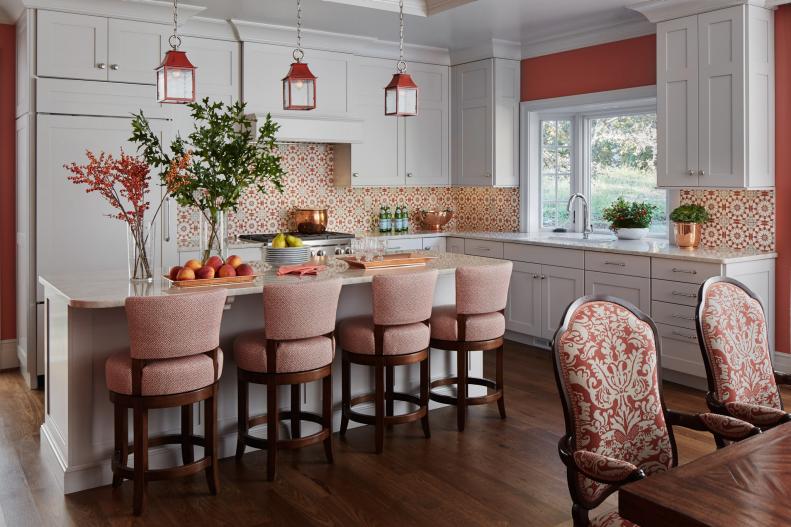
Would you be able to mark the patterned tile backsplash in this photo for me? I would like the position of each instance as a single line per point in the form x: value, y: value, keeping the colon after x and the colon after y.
x: 309, y: 183
x: 739, y: 219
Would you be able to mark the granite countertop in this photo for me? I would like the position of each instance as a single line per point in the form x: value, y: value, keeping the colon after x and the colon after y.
x: 110, y: 289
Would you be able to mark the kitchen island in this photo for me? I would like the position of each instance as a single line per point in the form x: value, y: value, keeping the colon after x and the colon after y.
x: 85, y: 323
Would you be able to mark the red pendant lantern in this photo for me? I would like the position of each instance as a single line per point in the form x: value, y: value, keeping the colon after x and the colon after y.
x: 176, y: 78
x: 401, y: 93
x: 299, y: 86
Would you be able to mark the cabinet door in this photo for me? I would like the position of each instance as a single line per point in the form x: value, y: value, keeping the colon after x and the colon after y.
x: 455, y: 245
x: 523, y: 312
x: 71, y: 46
x: 633, y: 289
x: 721, y: 66
x: 427, y: 134
x: 135, y: 49
x: 507, y: 81
x: 375, y: 161
x: 25, y: 253
x: 473, y: 141
x: 677, y: 103
x: 560, y: 287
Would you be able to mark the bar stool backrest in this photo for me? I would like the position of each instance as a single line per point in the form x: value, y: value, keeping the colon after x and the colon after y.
x: 482, y: 289
x: 300, y: 310
x: 400, y: 299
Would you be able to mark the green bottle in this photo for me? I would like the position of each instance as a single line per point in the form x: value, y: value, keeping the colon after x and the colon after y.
x: 404, y: 219
x: 384, y: 219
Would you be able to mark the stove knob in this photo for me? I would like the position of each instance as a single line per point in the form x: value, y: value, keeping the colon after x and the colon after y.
x: 321, y: 252
x: 338, y: 251
x: 348, y: 251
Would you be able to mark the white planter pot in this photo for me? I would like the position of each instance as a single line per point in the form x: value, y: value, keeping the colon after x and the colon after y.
x: 631, y: 234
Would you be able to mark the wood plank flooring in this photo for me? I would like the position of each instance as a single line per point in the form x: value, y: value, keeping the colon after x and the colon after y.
x: 495, y: 473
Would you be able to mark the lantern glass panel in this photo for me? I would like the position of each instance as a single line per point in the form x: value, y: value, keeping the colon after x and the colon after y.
x: 390, y: 101
x: 407, y: 100
x: 160, y: 84
x: 179, y: 83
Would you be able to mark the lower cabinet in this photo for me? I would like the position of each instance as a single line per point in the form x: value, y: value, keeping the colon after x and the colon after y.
x: 560, y: 286
x: 633, y: 289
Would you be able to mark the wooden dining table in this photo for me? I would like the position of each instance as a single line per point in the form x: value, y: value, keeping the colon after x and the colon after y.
x: 744, y: 484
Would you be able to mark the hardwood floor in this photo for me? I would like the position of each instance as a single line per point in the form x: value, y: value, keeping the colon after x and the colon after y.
x: 495, y: 473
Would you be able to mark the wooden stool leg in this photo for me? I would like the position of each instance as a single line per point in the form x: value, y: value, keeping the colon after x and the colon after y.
x: 326, y: 402
x: 500, y: 384
x: 295, y: 409
x: 243, y: 416
x: 210, y: 430
x: 389, y: 384
x: 187, y: 450
x: 425, y: 367
x: 121, y: 439
x: 141, y: 457
x: 272, y: 425
x: 461, y: 390
x: 346, y: 396
x: 379, y: 408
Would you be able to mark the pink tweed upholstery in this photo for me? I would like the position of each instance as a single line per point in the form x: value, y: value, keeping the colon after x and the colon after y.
x: 300, y: 310
x: 611, y: 519
x: 607, y: 361
x: 444, y: 325
x: 249, y: 350
x: 403, y: 298
x: 482, y: 289
x: 164, y: 376
x: 172, y: 326
x: 734, y: 335
x: 357, y: 336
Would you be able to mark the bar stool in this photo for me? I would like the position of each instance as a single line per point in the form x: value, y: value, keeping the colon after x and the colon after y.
x: 297, y: 346
x: 475, y: 323
x: 397, y: 334
x: 174, y: 360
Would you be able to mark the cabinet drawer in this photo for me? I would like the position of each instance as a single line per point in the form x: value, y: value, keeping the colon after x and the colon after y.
x: 673, y: 314
x: 618, y: 263
x: 634, y: 289
x: 455, y: 245
x: 675, y: 292
x: 683, y: 271
x: 434, y: 244
x: 544, y: 255
x: 405, y: 244
x: 483, y: 248
x: 680, y: 350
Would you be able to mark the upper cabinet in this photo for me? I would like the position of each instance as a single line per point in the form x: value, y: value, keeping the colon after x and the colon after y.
x: 486, y: 123
x: 427, y: 135
x: 715, y: 99
x: 73, y: 46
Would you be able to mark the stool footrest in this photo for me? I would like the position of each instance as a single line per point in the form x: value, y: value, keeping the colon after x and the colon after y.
x: 475, y: 381
x: 299, y: 442
x: 388, y: 419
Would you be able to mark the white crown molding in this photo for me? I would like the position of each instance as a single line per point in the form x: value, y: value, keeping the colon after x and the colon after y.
x: 661, y: 10
x: 215, y: 28
x: 411, y: 7
x: 494, y: 48
x: 328, y: 41
x: 145, y: 10
x: 437, y: 6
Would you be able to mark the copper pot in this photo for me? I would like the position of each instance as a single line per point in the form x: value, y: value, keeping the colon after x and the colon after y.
x: 311, y: 221
x: 435, y: 220
x: 687, y: 234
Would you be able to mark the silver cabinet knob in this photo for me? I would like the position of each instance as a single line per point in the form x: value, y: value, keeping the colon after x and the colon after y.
x: 114, y: 67
x: 487, y: 175
x: 701, y: 172
x: 691, y: 172
x: 101, y: 66
x: 409, y: 174
x: 355, y: 174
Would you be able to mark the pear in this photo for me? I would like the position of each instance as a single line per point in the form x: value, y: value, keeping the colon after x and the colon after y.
x: 293, y: 241
x: 279, y: 241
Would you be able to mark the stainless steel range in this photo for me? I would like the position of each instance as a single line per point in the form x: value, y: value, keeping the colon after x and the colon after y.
x: 323, y: 244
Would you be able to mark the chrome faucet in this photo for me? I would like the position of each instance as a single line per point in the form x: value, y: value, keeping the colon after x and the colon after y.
x: 587, y: 228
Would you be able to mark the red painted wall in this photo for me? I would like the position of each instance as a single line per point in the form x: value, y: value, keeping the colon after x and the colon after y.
x: 612, y: 66
x: 783, y: 177
x: 7, y: 182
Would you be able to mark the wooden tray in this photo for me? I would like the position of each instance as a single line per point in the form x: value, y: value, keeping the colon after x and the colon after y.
x: 203, y: 282
x: 390, y: 260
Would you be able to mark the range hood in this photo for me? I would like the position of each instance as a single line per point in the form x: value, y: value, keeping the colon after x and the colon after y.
x: 308, y: 127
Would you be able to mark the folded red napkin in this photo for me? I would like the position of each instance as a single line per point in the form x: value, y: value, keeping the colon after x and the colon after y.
x: 306, y: 269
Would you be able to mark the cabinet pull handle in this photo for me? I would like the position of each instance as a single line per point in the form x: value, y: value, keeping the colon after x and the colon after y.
x: 166, y: 218
x: 101, y: 66
x: 543, y: 277
x: 619, y: 264
x: 487, y: 249
x: 685, y: 271
x: 686, y: 295
x: 114, y: 67
x: 535, y: 276
x: 487, y: 175
x: 684, y: 335
x: 682, y: 317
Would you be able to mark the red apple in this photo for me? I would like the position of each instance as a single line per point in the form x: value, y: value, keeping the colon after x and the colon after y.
x: 193, y: 264
x: 226, y: 271
x: 186, y: 273
x: 215, y: 262
x: 245, y: 270
x: 174, y: 272
x: 234, y: 261
x: 205, y: 272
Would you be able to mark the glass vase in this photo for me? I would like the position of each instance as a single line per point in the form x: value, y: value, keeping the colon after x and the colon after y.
x: 213, y: 237
x: 140, y: 251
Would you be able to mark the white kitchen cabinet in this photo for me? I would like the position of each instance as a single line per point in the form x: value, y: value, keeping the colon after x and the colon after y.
x: 633, y: 289
x: 25, y: 45
x: 455, y: 245
x: 715, y: 99
x: 485, y: 135
x: 523, y: 311
x: 71, y: 46
x: 560, y: 286
x: 427, y: 135
x: 404, y: 244
x: 434, y: 244
x: 25, y: 248
x: 135, y: 49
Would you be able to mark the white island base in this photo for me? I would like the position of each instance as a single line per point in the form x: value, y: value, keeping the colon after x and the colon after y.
x: 85, y: 323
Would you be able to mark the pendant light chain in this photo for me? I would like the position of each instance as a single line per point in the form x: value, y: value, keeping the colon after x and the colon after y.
x: 401, y: 64
x: 298, y: 53
x: 175, y: 39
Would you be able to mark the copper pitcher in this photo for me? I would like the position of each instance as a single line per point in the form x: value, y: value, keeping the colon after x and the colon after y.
x: 311, y: 221
x: 687, y: 234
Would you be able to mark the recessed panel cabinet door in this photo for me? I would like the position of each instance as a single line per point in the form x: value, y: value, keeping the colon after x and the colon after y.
x: 473, y: 131
x: 71, y: 46
x: 633, y: 289
x: 427, y: 134
x: 560, y: 286
x: 523, y: 313
x: 135, y: 50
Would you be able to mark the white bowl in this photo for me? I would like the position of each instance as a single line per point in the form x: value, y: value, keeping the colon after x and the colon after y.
x: 631, y: 234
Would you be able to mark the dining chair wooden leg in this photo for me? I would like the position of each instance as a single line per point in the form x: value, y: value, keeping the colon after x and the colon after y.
x: 272, y: 426
x: 424, y: 394
x: 210, y: 431
x: 499, y: 382
x: 326, y: 402
x: 121, y: 433
x: 461, y: 390
x: 389, y: 388
x: 346, y: 393
x: 243, y: 416
x: 296, y: 428
x: 187, y: 449
x: 141, y: 458
x: 379, y: 408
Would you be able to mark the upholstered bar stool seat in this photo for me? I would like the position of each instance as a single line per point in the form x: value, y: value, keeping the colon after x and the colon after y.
x: 249, y: 350
x: 357, y: 336
x: 163, y: 377
x: 445, y: 325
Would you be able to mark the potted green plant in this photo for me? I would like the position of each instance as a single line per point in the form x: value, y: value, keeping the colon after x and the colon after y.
x: 687, y: 220
x: 629, y: 220
x: 214, y: 165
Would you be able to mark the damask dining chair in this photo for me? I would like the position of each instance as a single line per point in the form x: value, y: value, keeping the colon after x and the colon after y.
x: 734, y: 341
x: 618, y: 429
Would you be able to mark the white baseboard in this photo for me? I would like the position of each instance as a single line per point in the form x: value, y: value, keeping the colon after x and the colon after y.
x: 8, y: 354
x: 783, y: 362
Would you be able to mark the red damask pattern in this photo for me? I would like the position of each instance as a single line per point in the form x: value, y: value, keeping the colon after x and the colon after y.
x: 611, y: 519
x: 755, y: 413
x: 734, y: 334
x: 727, y: 427
x: 602, y: 467
x: 608, y: 368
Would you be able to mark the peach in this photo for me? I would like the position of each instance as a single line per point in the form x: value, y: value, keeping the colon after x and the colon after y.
x: 215, y: 262
x: 245, y: 270
x: 234, y: 261
x: 193, y: 264
x: 174, y: 272
x: 205, y: 272
x: 226, y: 271
x: 186, y: 273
